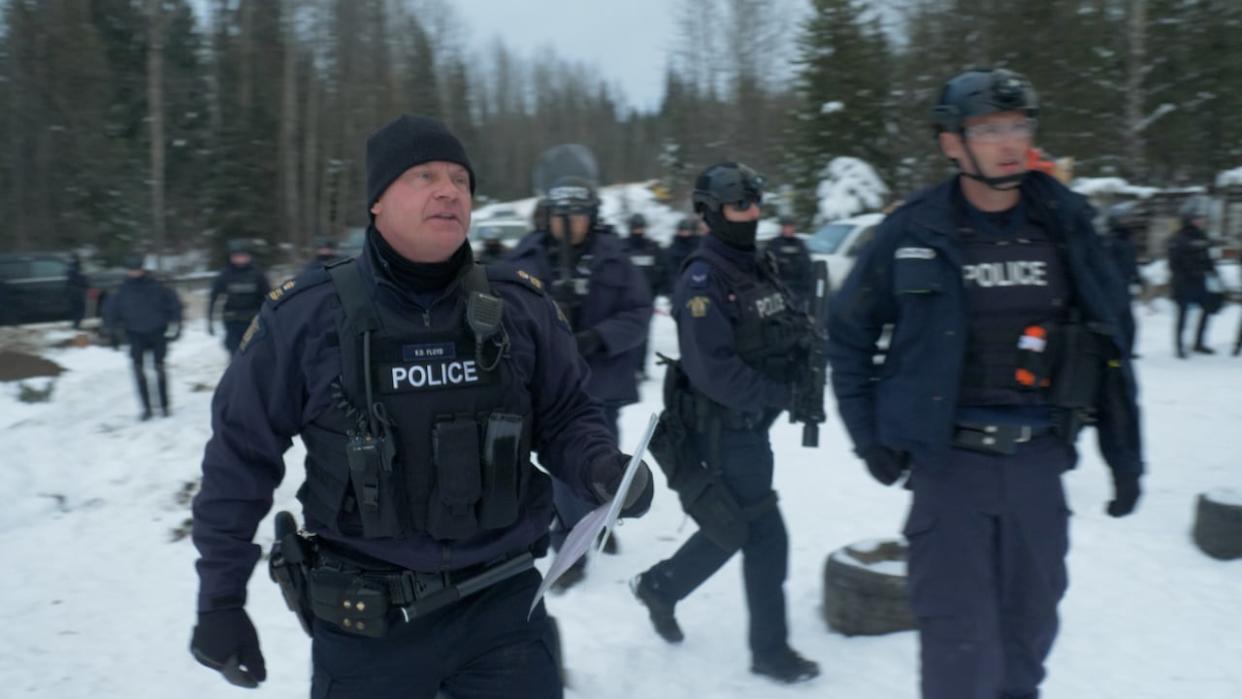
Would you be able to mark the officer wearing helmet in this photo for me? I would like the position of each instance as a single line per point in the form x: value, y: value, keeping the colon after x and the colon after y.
x: 493, y: 247
x: 648, y: 257
x: 793, y: 261
x: 685, y: 241
x: 421, y: 384
x: 740, y: 336
x: 243, y: 286
x: 1008, y: 336
x: 1195, y: 282
x: 325, y: 252
x: 606, y: 302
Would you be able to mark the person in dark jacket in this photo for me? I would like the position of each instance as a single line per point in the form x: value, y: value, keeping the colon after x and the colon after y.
x: 685, y: 241
x: 793, y: 261
x: 420, y: 383
x: 1123, y: 219
x: 1194, y: 275
x: 149, y: 315
x: 978, y: 278
x: 325, y: 253
x: 605, y: 299
x: 739, y: 335
x: 493, y: 248
x: 76, y: 287
x: 244, y: 287
x: 646, y: 255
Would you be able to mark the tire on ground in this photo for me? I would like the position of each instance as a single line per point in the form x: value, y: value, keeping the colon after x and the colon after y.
x: 1218, y: 524
x: 865, y: 589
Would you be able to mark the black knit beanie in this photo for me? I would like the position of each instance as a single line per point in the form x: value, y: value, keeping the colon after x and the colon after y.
x: 405, y: 142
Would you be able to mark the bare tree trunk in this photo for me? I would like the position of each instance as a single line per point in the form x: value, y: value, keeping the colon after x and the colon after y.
x: 155, y: 113
x: 17, y: 122
x: 1136, y: 144
x: 215, y: 102
x: 245, y: 89
x: 311, y: 221
x: 292, y: 227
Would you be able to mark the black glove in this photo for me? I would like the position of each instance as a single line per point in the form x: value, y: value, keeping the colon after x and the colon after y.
x: 1126, y: 492
x: 226, y: 641
x: 211, y: 329
x: 589, y: 342
x: 886, y: 465
x: 606, y: 477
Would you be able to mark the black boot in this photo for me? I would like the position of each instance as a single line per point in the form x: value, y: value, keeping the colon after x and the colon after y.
x: 612, y: 547
x: 1204, y: 349
x: 144, y: 396
x: 785, y: 665
x: 660, y: 610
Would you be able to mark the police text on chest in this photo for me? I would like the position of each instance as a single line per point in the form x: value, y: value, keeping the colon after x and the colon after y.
x: 433, y: 374
x: 1006, y: 274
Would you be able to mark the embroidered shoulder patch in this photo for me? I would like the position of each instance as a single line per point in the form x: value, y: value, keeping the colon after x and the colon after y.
x: 254, y: 331
x: 698, y: 306
x: 279, y: 291
x: 530, y: 279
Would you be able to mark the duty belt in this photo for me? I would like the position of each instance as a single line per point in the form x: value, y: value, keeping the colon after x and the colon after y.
x: 359, y: 596
x: 996, y: 439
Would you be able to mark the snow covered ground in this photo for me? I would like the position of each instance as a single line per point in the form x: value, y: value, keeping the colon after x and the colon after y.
x: 98, y: 597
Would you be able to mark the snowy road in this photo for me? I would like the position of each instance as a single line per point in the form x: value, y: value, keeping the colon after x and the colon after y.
x: 98, y: 597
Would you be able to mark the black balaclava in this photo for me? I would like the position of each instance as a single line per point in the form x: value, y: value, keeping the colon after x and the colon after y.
x: 419, y: 277
x: 738, y: 234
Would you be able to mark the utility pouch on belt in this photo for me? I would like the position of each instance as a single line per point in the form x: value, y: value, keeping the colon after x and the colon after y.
x: 353, y: 602
x: 374, y: 483
x: 455, y: 451
x: 1085, y: 352
x: 502, y: 445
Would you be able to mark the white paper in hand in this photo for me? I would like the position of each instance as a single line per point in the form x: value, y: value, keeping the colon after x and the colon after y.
x: 580, y: 538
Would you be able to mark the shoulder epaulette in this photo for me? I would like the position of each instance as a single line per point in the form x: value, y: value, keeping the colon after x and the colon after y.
x: 506, y: 272
x: 292, y: 287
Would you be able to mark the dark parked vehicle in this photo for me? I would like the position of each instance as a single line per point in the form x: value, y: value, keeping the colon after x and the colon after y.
x: 34, y: 288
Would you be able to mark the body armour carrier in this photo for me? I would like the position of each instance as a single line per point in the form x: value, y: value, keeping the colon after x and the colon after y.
x: 1018, y: 294
x: 769, y: 329
x: 430, y: 434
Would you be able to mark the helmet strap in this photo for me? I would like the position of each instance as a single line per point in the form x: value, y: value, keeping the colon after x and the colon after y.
x: 1000, y: 184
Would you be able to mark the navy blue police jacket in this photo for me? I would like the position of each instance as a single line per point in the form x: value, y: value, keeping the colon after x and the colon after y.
x: 617, y: 306
x: 910, y: 276
x: 281, y: 381
x: 706, y: 313
x: 142, y: 306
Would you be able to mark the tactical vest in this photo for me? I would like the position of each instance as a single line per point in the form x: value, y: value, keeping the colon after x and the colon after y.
x: 1012, y: 283
x: 769, y: 329
x: 244, y: 297
x: 430, y: 434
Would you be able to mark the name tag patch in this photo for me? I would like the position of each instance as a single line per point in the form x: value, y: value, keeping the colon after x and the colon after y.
x: 436, y: 350
x: 915, y: 254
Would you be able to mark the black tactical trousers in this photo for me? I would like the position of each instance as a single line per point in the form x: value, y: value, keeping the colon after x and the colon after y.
x: 479, y: 648
x: 746, y: 465
x: 988, y: 539
x: 1183, y: 310
x: 233, y: 331
x: 139, y: 345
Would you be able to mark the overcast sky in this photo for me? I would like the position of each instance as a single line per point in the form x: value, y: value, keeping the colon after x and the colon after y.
x: 627, y: 41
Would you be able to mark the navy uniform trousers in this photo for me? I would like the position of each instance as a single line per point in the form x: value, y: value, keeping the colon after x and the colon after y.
x: 988, y: 538
x: 479, y: 648
x: 233, y: 332
x: 746, y: 468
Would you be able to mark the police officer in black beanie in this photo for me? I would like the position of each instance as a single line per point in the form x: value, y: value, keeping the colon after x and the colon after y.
x: 420, y: 383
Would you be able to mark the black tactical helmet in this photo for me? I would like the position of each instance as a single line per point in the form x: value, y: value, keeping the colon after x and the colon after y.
x: 1124, y: 214
x: 539, y: 217
x: 727, y: 183
x: 133, y: 260
x: 322, y: 243
x: 638, y: 221
x: 239, y: 245
x: 1195, y: 206
x: 982, y: 91
x: 573, y: 195
x: 687, y: 224
x: 788, y: 220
